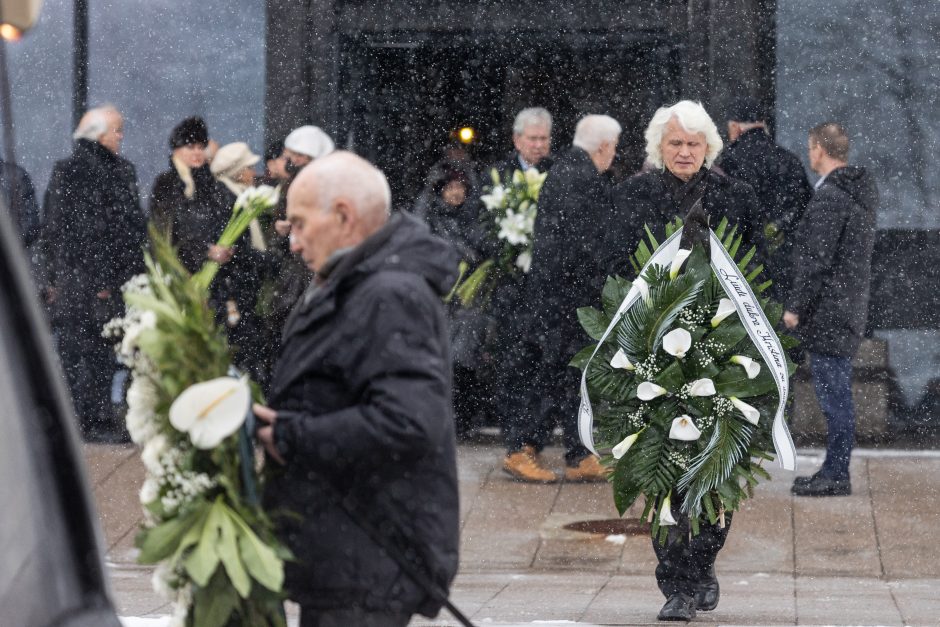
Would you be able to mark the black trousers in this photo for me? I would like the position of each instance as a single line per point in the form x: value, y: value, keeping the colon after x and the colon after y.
x: 350, y: 617
x: 548, y: 390
x: 89, y: 364
x: 685, y: 561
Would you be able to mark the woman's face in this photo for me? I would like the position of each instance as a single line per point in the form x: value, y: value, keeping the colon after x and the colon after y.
x: 246, y: 176
x: 683, y: 152
x: 192, y: 155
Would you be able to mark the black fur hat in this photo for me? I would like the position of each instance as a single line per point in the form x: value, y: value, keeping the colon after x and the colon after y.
x: 190, y: 131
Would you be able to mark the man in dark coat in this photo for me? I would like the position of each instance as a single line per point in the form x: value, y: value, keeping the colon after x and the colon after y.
x: 573, y: 205
x: 828, y: 305
x: 19, y: 197
x: 682, y: 143
x: 532, y: 143
x: 779, y: 182
x: 360, y: 405
x: 95, y: 234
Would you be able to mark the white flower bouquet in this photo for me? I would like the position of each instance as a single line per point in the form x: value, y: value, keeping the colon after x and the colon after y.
x: 511, y: 207
x: 216, y: 554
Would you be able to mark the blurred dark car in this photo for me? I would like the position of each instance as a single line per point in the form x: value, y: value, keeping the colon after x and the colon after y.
x: 51, y: 570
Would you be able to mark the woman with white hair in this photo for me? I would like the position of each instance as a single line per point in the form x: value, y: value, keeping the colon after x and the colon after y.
x: 682, y: 143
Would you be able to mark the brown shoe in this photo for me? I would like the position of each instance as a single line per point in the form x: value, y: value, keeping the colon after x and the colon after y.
x: 588, y: 469
x: 524, y: 466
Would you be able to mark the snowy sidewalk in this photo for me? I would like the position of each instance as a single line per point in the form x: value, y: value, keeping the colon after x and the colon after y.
x: 866, y: 559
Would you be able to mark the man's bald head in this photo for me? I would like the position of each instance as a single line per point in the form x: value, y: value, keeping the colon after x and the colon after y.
x: 336, y: 202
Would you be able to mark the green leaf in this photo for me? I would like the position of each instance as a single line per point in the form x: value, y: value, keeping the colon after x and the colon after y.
x: 580, y: 359
x: 647, y: 322
x: 615, y: 291
x: 163, y: 541
x: 594, y: 321
x: 746, y: 259
x: 671, y: 377
x: 754, y: 273
x: 715, y: 463
x: 260, y: 560
x: 651, y: 237
x: 214, y: 604
x: 642, y: 254
x: 231, y: 559
x: 203, y: 561
x: 720, y: 231
x: 733, y: 381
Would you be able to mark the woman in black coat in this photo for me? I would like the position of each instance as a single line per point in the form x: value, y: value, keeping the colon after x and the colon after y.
x: 682, y: 143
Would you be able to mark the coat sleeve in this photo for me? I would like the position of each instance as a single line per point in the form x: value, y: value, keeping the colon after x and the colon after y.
x: 816, y: 241
x: 400, y: 367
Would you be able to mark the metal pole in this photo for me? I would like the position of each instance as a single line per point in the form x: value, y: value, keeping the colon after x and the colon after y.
x: 80, y: 61
x: 6, y: 103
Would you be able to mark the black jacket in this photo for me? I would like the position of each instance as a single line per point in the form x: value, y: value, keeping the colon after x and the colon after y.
x: 782, y: 190
x: 363, y: 392
x: 95, y: 229
x: 832, y: 263
x: 506, y: 166
x: 19, y: 196
x: 568, y: 259
x: 654, y: 198
x: 460, y: 226
x: 193, y: 223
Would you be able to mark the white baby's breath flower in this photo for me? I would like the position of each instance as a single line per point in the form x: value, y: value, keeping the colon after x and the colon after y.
x: 149, y: 491
x: 163, y: 581
x: 152, y: 452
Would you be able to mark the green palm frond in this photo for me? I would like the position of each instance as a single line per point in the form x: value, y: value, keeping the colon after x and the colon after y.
x: 649, y: 464
x: 711, y: 467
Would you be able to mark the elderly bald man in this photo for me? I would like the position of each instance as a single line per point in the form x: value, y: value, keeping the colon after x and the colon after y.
x: 360, y: 403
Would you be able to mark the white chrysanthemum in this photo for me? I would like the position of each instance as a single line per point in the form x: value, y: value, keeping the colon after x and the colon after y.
x: 184, y: 601
x: 524, y: 261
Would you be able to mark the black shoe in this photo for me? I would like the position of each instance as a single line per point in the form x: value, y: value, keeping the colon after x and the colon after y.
x: 707, y: 592
x: 678, y: 607
x: 806, y: 480
x: 823, y: 486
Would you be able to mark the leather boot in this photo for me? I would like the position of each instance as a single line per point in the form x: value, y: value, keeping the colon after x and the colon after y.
x: 525, y: 465
x: 588, y: 469
x: 678, y: 606
x: 707, y: 592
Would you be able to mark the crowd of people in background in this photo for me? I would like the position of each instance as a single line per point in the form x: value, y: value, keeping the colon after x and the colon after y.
x: 87, y: 241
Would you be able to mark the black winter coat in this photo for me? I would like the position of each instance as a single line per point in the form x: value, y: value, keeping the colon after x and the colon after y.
x: 193, y: 223
x: 505, y: 167
x: 569, y: 257
x: 363, y: 392
x: 782, y: 190
x: 19, y: 196
x: 653, y: 198
x: 832, y: 263
x: 95, y: 229
x: 460, y: 226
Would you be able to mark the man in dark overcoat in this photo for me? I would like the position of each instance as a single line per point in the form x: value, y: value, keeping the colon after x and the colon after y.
x: 360, y: 417
x: 682, y: 144
x: 828, y: 304
x: 573, y: 205
x: 95, y: 233
x: 778, y: 180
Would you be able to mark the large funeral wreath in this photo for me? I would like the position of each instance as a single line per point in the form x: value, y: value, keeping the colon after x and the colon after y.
x: 680, y: 396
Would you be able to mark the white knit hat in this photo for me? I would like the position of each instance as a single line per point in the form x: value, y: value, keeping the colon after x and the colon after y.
x: 310, y: 141
x: 230, y: 159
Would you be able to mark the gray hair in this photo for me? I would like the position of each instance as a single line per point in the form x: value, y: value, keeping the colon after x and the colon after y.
x: 593, y: 130
x: 692, y: 117
x: 530, y: 117
x: 94, y: 123
x: 343, y: 173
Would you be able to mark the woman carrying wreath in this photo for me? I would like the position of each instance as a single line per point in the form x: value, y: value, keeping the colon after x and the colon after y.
x: 682, y: 143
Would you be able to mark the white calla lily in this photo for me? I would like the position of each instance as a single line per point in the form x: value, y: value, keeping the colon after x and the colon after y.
x: 750, y: 413
x: 684, y: 429
x: 681, y: 255
x: 677, y: 342
x: 751, y: 367
x: 620, y: 360
x: 621, y: 449
x: 702, y: 387
x: 212, y: 410
x: 647, y: 391
x: 725, y: 309
x: 665, y: 512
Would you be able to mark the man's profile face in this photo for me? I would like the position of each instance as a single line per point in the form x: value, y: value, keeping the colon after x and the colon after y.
x: 112, y: 138
x: 683, y: 152
x: 606, y: 154
x: 815, y: 155
x: 533, y: 143
x: 315, y: 232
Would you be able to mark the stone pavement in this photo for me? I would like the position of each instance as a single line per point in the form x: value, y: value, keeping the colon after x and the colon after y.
x: 867, y: 559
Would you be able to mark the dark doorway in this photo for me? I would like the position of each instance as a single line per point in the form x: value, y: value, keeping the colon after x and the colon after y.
x: 403, y: 96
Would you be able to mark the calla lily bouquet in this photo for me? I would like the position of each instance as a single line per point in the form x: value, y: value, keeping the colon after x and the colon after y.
x: 216, y: 554
x: 680, y: 395
x: 509, y: 217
